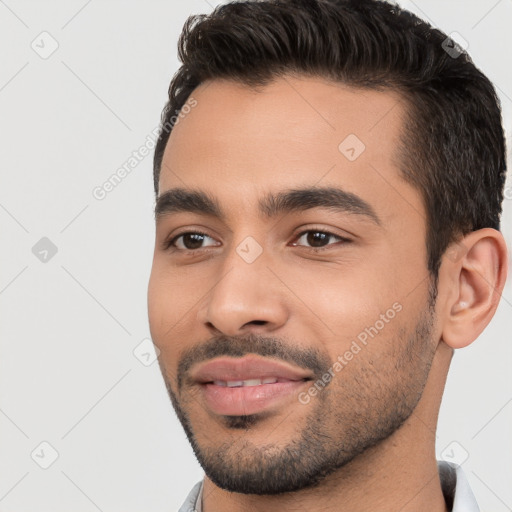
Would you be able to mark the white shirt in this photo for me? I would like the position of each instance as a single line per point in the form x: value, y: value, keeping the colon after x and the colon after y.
x: 453, y: 482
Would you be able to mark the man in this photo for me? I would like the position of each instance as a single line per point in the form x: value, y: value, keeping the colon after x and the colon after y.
x: 329, y: 180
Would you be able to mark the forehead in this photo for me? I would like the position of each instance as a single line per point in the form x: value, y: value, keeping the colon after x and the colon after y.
x: 296, y: 131
x: 290, y: 111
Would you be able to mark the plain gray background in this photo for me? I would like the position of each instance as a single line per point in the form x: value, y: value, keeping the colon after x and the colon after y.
x: 74, y: 366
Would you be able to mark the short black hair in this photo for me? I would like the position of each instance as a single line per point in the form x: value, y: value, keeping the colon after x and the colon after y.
x: 452, y: 146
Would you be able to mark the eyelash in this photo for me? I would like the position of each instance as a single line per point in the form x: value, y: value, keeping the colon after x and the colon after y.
x: 168, y: 244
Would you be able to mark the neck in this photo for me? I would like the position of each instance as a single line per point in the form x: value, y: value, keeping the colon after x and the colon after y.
x: 400, y: 473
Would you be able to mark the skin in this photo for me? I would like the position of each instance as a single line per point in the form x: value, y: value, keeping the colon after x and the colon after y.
x: 238, y: 144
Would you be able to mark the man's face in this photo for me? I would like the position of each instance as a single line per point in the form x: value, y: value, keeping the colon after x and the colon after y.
x: 295, y: 330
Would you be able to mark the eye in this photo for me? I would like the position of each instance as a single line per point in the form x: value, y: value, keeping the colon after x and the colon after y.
x: 189, y: 241
x: 318, y: 240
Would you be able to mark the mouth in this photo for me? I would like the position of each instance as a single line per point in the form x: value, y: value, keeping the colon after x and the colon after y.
x: 250, y: 382
x: 248, y: 385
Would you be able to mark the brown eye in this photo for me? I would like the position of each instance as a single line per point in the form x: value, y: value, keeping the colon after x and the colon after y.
x: 190, y: 241
x: 318, y: 239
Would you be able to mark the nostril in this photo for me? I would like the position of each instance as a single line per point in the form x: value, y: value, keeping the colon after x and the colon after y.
x: 257, y: 322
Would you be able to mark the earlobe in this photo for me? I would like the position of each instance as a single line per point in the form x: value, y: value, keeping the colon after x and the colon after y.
x: 477, y: 279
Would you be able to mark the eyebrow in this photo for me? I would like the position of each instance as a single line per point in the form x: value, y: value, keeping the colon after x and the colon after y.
x: 179, y: 200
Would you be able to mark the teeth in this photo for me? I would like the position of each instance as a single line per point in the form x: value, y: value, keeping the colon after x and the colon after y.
x: 242, y: 383
x: 252, y: 382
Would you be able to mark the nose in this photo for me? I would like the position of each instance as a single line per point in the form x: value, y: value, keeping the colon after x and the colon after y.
x: 246, y: 297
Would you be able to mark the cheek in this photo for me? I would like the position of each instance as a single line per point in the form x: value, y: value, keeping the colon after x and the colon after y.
x: 172, y: 306
x: 164, y: 307
x: 156, y: 300
x: 343, y: 298
x: 356, y: 312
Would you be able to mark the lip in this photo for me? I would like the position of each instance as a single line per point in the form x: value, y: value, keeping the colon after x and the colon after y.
x: 247, y: 368
x: 244, y: 400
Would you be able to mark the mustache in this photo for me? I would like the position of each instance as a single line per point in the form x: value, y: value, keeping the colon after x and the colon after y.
x: 239, y: 346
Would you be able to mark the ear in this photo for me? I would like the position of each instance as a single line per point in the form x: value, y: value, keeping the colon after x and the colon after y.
x: 474, y: 270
